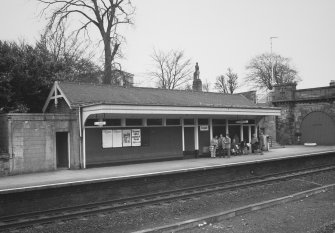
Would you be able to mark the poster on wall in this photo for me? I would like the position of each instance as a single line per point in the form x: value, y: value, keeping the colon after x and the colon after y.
x: 126, y: 137
x: 117, y: 138
x: 136, y: 137
x: 107, y: 138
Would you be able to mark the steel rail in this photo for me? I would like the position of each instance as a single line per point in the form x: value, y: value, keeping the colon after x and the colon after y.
x: 66, y: 213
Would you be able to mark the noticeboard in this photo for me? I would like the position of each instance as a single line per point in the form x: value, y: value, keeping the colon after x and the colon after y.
x: 107, y: 138
x: 136, y: 137
x: 117, y: 138
x: 126, y: 137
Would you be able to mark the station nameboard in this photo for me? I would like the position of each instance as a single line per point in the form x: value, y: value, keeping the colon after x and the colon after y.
x: 100, y: 123
x: 203, y: 127
x: 242, y: 122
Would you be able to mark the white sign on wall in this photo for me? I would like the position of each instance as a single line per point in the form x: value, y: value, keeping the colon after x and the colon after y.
x: 203, y: 127
x: 117, y: 138
x: 107, y: 138
x: 136, y: 137
x: 126, y: 137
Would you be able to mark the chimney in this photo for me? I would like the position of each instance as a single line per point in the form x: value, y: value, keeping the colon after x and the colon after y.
x: 332, y: 83
x: 197, y: 84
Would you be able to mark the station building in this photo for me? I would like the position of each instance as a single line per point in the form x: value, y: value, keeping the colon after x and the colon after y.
x: 84, y: 125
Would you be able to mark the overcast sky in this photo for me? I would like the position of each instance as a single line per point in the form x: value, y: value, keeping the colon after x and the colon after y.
x: 216, y: 33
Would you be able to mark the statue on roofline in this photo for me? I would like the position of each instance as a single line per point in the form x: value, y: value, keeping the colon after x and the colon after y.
x: 196, y: 74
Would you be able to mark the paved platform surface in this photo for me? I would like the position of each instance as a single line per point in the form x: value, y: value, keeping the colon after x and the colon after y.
x: 59, y: 178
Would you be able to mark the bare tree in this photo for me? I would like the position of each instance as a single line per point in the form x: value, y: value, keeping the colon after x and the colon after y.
x: 220, y: 84
x: 261, y: 69
x: 171, y: 70
x: 231, y: 81
x: 105, y: 15
x: 206, y: 86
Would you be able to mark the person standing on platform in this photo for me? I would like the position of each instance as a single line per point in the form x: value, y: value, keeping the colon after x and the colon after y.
x: 228, y: 145
x: 234, y: 147
x: 214, y: 144
x: 220, y: 145
x: 254, y: 143
x: 237, y: 139
x: 261, y: 142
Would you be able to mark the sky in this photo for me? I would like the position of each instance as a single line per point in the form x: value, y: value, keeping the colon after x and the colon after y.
x: 217, y: 34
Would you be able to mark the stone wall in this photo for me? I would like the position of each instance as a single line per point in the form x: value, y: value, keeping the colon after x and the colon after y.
x: 31, y: 141
x: 296, y: 104
x: 3, y: 134
x: 268, y: 126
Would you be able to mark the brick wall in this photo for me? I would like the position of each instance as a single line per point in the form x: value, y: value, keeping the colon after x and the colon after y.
x: 31, y: 141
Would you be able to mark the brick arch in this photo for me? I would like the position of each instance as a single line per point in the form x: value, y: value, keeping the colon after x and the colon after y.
x: 319, y: 127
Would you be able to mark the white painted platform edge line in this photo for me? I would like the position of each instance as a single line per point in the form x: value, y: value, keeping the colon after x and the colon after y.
x: 153, y: 173
x: 310, y: 191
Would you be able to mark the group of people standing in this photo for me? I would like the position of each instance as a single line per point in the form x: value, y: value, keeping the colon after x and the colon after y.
x: 224, y: 146
x: 221, y: 145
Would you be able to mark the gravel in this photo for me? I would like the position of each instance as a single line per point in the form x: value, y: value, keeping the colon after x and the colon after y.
x: 176, y: 211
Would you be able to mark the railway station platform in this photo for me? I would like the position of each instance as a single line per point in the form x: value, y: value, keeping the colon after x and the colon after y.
x: 62, y: 178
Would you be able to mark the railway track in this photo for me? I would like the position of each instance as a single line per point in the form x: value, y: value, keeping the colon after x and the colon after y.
x: 48, y: 216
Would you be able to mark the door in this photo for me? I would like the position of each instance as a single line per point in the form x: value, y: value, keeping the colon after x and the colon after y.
x: 189, y: 142
x: 318, y: 127
x: 62, y: 149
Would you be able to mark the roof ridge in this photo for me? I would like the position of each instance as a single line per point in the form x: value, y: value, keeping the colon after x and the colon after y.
x: 146, y: 88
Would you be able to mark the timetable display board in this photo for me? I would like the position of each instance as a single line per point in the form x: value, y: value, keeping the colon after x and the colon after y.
x: 117, y: 138
x: 136, y: 137
x: 126, y: 138
x: 107, y: 138
x: 114, y: 138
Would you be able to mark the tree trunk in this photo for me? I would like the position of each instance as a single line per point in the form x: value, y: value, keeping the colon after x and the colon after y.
x: 108, y: 63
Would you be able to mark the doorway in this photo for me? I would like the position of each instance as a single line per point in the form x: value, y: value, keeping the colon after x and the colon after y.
x: 318, y: 127
x: 62, y: 149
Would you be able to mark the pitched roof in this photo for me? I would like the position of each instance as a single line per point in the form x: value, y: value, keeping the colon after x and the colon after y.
x: 80, y: 94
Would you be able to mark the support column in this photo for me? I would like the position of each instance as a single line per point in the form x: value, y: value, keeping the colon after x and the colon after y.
x: 84, y: 148
x: 241, y: 132
x: 196, y: 136
x: 227, y: 127
x: 210, y: 129
x: 183, y: 134
x: 249, y: 133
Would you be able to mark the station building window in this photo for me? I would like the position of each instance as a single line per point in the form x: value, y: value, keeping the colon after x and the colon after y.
x: 202, y: 121
x: 153, y: 122
x: 113, y: 122
x: 172, y: 121
x: 133, y: 122
x: 189, y: 121
x: 219, y: 121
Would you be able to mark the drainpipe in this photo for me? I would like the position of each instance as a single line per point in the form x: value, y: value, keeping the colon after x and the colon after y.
x: 80, y: 138
x: 11, y: 146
